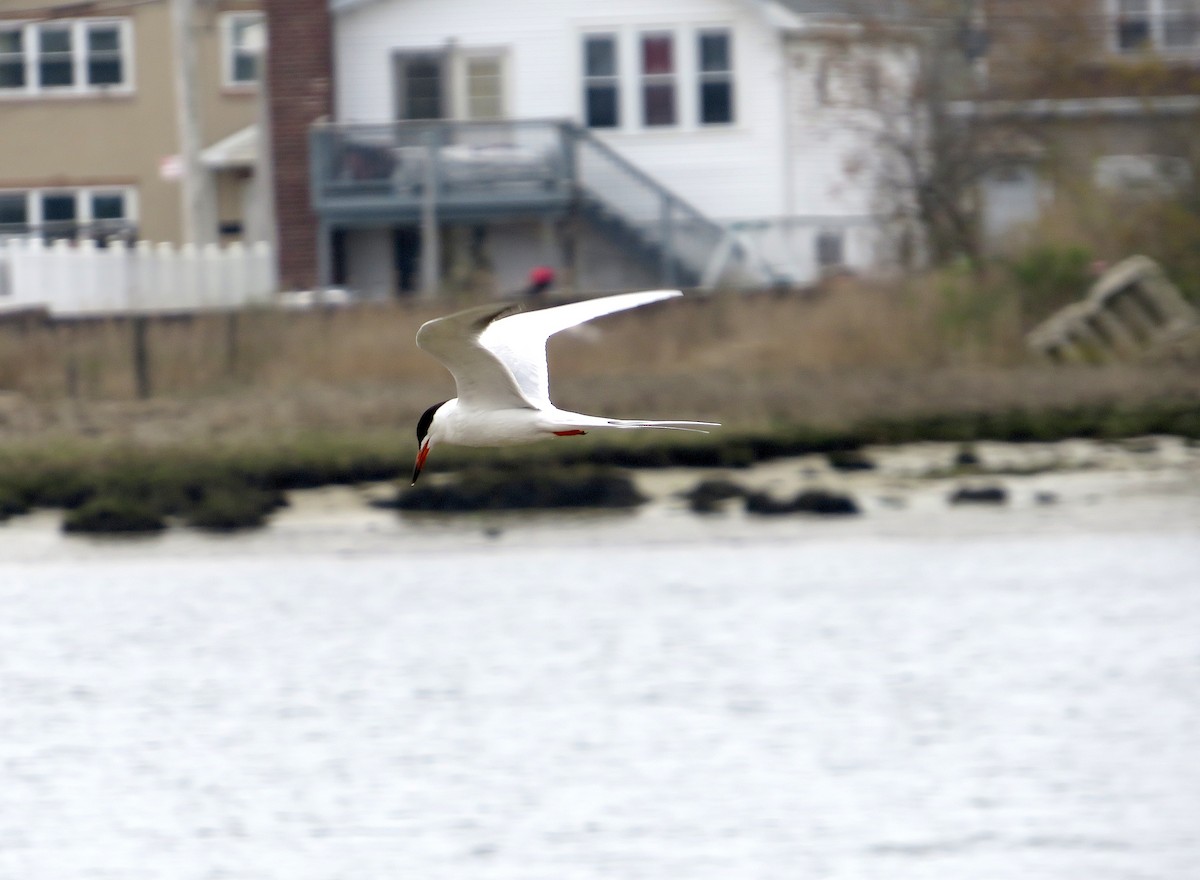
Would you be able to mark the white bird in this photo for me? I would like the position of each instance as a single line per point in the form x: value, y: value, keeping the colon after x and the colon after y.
x: 498, y: 360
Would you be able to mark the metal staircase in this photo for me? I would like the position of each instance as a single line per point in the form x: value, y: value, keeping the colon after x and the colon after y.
x: 652, y: 223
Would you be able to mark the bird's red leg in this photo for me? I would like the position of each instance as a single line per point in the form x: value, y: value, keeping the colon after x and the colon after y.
x: 575, y: 432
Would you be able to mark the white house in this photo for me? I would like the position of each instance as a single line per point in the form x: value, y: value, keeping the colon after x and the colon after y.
x: 624, y: 143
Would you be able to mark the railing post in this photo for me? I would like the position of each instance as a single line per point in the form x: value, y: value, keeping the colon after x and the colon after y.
x: 319, y: 164
x: 431, y: 252
x: 324, y: 253
x: 668, y: 263
x: 569, y: 146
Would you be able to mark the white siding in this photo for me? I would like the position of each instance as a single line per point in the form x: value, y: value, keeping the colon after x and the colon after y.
x: 788, y: 167
x: 726, y: 172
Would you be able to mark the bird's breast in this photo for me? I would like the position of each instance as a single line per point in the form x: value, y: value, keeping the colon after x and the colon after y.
x: 495, y: 427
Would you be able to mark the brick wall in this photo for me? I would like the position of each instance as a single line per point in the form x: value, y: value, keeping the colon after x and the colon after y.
x: 300, y: 79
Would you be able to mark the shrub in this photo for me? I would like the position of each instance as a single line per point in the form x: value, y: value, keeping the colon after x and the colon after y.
x: 230, y: 507
x: 816, y: 501
x: 11, y: 503
x: 1049, y: 277
x: 115, y: 514
x: 979, y: 495
x: 542, y: 489
x: 849, y: 460
x: 707, y: 495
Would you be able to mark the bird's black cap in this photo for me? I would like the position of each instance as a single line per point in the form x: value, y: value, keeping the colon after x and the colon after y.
x: 425, y: 421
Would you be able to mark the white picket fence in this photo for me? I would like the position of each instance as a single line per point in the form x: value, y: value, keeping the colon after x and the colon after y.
x: 75, y: 279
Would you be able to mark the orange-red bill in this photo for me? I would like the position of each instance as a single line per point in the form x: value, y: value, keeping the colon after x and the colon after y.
x: 421, y: 456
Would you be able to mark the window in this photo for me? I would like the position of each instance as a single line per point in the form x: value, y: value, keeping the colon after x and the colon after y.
x: 677, y: 78
x: 95, y: 212
x: 14, y: 213
x: 485, y: 88
x: 1181, y: 24
x: 73, y: 56
x: 716, y: 78
x: 829, y: 250
x: 12, y: 59
x: 108, y: 208
x: 104, y: 62
x: 1132, y: 24
x: 1167, y: 25
x: 601, y: 92
x: 56, y: 65
x: 243, y: 43
x: 59, y: 214
x: 658, y: 79
x: 420, y: 86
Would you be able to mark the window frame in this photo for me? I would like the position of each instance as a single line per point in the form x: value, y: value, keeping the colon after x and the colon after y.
x: 80, y: 54
x: 406, y: 101
x: 685, y: 82
x: 466, y: 103
x: 1153, y: 20
x: 829, y: 250
x: 658, y: 80
x: 231, y: 51
x: 607, y: 81
x: 723, y: 76
x: 84, y: 223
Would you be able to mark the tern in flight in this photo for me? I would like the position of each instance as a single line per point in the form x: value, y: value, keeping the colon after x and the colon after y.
x: 498, y: 358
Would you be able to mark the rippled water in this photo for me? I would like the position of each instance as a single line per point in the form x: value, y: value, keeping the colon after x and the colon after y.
x: 797, y: 701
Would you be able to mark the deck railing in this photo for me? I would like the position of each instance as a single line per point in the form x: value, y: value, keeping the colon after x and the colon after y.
x: 400, y: 172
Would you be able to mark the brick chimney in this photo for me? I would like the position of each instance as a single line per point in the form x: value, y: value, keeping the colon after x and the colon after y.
x: 300, y: 80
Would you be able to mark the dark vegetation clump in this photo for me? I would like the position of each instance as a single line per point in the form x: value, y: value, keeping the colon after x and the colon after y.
x: 230, y: 508
x: 707, y: 496
x: 849, y: 460
x: 979, y: 495
x: 967, y: 458
x: 539, y: 489
x: 816, y: 501
x: 141, y: 496
x: 115, y: 515
x: 12, y: 503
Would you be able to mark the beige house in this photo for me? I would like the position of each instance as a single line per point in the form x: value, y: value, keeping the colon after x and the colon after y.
x: 1097, y: 98
x: 90, y: 128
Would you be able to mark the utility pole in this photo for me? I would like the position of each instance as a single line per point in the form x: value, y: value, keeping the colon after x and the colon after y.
x: 198, y: 214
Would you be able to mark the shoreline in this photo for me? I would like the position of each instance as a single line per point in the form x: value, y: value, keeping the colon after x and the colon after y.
x: 1148, y: 484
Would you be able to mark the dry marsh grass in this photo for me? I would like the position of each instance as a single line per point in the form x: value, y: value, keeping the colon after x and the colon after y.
x: 755, y: 362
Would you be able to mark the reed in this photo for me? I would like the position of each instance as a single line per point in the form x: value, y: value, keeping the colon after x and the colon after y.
x: 943, y: 343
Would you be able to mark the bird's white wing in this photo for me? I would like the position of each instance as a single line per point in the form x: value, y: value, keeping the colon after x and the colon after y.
x: 483, y: 380
x: 519, y: 340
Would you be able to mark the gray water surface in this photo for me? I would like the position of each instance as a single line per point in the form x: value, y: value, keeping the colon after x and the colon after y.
x: 804, y: 703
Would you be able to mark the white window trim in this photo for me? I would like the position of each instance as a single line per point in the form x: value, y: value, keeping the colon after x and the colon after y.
x: 84, y: 217
x: 1156, y: 14
x: 460, y: 99
x: 80, y: 86
x: 616, y: 80
x: 228, y: 51
x: 673, y: 79
x: 686, y: 77
x: 702, y: 76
